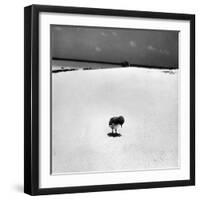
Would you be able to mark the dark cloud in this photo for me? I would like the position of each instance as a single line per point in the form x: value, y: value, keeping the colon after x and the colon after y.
x: 142, y: 47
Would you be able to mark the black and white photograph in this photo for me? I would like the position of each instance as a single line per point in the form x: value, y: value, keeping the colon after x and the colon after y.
x: 109, y: 99
x: 114, y: 99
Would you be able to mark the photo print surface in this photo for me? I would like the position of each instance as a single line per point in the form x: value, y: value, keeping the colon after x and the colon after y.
x: 114, y: 99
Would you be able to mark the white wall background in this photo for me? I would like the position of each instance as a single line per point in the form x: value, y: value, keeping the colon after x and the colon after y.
x: 11, y: 101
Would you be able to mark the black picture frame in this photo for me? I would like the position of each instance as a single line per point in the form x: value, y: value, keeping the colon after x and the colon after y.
x: 31, y: 99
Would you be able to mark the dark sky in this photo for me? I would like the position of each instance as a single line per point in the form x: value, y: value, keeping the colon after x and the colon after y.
x: 142, y: 47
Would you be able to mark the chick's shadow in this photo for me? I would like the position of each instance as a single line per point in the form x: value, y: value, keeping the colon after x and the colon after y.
x: 114, y: 135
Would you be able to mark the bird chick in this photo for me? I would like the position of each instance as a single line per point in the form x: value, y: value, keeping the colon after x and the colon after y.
x: 115, y: 123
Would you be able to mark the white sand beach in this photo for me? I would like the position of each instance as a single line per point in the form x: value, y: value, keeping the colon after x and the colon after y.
x: 84, y: 101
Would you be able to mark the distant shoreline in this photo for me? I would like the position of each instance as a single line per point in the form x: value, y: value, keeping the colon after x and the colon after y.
x: 72, y: 65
